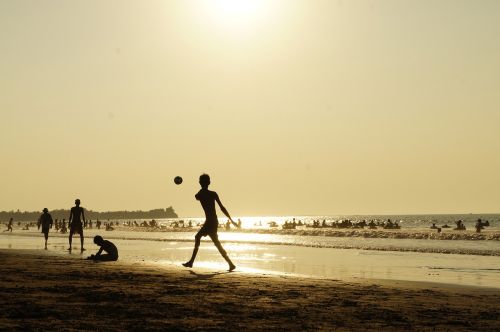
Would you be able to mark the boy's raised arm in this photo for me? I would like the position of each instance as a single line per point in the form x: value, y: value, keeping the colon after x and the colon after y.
x: 223, y: 209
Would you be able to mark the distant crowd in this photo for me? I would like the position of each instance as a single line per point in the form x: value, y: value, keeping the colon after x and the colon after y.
x: 63, y: 227
x: 345, y: 223
x: 480, y: 224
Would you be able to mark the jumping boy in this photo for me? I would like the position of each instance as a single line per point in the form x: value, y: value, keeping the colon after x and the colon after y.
x: 207, y: 199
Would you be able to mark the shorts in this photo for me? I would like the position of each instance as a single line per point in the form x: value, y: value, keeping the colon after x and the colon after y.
x: 76, y: 227
x: 208, y: 230
x: 45, y: 230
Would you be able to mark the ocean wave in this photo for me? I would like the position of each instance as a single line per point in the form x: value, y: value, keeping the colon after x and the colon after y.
x: 415, y: 234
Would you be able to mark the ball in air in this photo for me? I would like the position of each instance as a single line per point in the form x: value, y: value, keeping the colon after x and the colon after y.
x: 178, y: 180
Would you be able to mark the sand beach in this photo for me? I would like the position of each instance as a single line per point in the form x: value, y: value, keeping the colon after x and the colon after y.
x: 43, y: 291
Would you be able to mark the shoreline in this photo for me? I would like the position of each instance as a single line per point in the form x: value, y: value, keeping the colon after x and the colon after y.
x: 349, y: 258
x: 43, y: 291
x: 484, y: 245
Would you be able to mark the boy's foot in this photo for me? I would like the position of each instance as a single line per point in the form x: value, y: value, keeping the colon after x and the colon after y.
x: 83, y: 249
x: 69, y: 249
x: 187, y: 264
x: 231, y: 267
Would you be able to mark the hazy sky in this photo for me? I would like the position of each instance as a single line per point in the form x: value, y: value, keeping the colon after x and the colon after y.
x: 293, y: 107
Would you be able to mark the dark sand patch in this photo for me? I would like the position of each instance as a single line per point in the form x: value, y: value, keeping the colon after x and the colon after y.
x: 41, y: 291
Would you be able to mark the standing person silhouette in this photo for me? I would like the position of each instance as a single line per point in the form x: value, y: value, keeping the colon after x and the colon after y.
x: 46, y: 222
x: 75, y: 223
x: 207, y: 199
x: 9, y: 225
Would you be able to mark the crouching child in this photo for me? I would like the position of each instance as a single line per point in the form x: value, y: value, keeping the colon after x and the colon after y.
x: 106, y: 246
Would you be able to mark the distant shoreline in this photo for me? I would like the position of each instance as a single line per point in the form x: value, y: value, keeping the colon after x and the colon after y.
x: 169, y: 213
x: 91, y: 215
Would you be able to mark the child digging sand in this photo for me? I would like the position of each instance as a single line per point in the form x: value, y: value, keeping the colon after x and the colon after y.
x: 108, y: 247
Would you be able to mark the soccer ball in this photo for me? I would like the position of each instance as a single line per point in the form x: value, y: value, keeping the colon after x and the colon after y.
x: 178, y: 180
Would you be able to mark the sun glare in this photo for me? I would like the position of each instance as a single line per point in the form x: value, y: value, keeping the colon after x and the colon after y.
x: 236, y: 15
x: 237, y: 7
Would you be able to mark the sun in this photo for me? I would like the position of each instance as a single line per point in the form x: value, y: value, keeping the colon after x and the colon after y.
x: 236, y: 16
x: 241, y: 8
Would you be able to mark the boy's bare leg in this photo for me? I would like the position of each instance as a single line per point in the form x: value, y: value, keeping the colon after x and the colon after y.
x: 81, y: 242
x: 197, y: 241
x: 215, y: 240
x: 70, y: 239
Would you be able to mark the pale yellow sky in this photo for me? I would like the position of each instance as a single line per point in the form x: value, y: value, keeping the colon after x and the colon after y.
x: 293, y: 107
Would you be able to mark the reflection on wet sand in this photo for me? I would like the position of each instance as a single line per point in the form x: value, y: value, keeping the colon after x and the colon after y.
x: 329, y: 263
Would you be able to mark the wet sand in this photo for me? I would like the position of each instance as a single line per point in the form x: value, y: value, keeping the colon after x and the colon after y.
x: 40, y: 290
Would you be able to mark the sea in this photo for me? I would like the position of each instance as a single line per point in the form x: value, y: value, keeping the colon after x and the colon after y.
x: 415, y: 252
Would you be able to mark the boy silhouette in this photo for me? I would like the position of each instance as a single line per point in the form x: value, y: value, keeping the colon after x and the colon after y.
x: 207, y: 199
x: 45, y: 221
x: 108, y: 247
x: 75, y: 223
x: 9, y: 225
